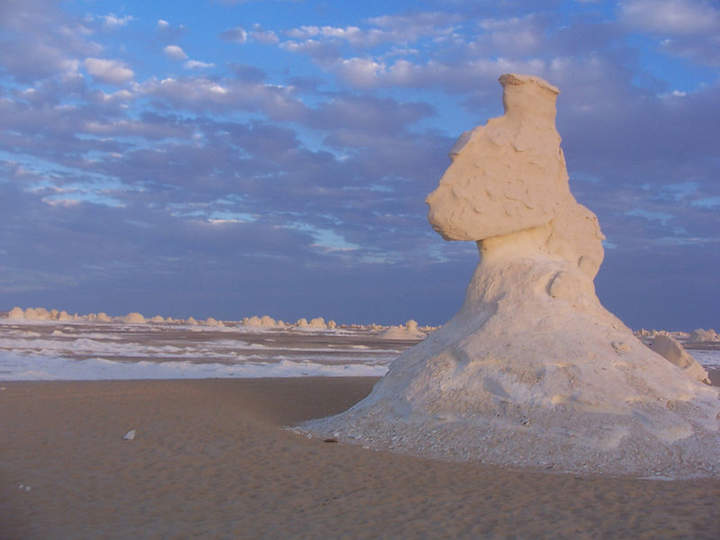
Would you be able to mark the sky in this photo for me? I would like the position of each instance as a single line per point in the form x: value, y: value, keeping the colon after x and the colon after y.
x: 231, y: 158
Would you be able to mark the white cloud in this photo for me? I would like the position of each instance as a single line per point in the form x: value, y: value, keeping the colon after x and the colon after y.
x: 267, y: 37
x: 362, y: 72
x: 401, y: 29
x: 109, y: 71
x: 196, y: 64
x: 114, y: 21
x: 162, y: 23
x: 175, y: 52
x: 671, y: 16
x: 200, y: 93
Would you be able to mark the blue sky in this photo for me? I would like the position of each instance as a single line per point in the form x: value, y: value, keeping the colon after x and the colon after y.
x: 272, y: 157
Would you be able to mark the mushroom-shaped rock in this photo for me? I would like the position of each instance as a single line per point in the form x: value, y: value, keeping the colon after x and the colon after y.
x: 533, y: 370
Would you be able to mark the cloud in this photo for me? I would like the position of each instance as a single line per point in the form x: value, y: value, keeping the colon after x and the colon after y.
x: 121, y: 186
x: 236, y: 35
x: 175, y: 52
x: 115, y: 21
x: 109, y: 71
x: 267, y: 37
x: 202, y: 94
x: 686, y: 28
x: 168, y: 32
x: 673, y: 17
x: 196, y: 64
x: 38, y: 40
x: 385, y: 29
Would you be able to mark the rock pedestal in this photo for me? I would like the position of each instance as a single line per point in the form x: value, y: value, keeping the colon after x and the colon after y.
x: 533, y: 371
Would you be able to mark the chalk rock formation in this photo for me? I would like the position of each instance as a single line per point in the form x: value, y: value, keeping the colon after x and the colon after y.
x: 318, y: 323
x: 672, y: 350
x: 16, y: 314
x: 212, y: 321
x: 134, y: 318
x: 409, y: 331
x: 533, y: 370
x: 701, y: 335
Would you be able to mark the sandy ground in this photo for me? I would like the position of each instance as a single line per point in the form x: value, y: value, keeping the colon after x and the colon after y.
x: 210, y: 460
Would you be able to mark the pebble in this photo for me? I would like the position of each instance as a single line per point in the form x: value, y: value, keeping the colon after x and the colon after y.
x: 130, y: 435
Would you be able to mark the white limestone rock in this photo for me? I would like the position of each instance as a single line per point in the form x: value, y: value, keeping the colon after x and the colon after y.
x: 672, y: 350
x: 533, y: 370
x: 134, y: 318
x: 701, y: 335
x: 318, y: 323
x: 211, y: 321
x: 16, y: 314
x: 409, y: 331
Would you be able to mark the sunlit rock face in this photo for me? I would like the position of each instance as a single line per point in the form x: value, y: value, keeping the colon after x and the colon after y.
x: 533, y: 370
x: 510, y: 176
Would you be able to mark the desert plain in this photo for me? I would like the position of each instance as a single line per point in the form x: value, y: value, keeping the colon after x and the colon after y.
x: 214, y: 459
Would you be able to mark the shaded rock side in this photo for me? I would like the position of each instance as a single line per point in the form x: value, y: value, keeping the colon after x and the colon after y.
x: 533, y: 370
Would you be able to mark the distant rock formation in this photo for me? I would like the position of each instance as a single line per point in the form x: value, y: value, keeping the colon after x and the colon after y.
x: 134, y: 318
x: 409, y: 331
x: 704, y: 336
x: 533, y: 370
x: 211, y: 321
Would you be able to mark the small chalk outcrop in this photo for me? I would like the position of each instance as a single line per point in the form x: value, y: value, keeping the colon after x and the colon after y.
x: 211, y: 321
x: 318, y: 323
x: 533, y: 370
x: 134, y: 318
x: 409, y: 331
x: 260, y: 322
x: 672, y: 350
x: 701, y: 335
x: 16, y: 314
x: 314, y: 324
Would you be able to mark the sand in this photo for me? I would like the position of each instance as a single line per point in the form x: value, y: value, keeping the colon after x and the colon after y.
x: 210, y: 459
